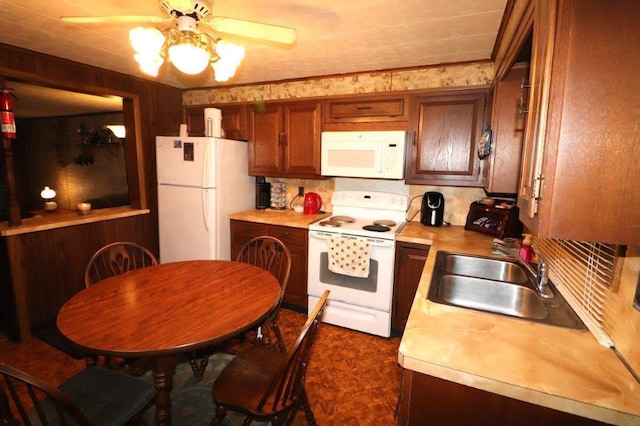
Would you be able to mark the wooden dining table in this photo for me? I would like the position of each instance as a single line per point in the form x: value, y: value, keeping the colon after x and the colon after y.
x: 164, y: 311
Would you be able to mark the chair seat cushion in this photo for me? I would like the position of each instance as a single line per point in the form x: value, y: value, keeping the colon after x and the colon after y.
x: 107, y: 397
x: 244, y: 380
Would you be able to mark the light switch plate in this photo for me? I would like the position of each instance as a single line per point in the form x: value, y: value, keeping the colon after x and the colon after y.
x: 636, y: 299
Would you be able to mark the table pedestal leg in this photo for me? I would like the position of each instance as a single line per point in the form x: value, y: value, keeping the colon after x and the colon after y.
x: 163, y: 370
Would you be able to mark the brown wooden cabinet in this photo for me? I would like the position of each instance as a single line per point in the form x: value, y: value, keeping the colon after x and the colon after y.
x: 295, y: 239
x: 442, y: 402
x: 409, y: 263
x: 365, y: 113
x: 580, y: 157
x: 234, y: 121
x: 284, y: 139
x: 502, y: 174
x: 446, y: 129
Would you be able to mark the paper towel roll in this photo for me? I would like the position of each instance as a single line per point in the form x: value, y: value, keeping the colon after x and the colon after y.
x: 213, y: 122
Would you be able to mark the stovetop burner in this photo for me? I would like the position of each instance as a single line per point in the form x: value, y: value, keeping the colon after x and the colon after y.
x: 331, y: 223
x: 345, y: 219
x: 376, y: 228
x: 384, y: 222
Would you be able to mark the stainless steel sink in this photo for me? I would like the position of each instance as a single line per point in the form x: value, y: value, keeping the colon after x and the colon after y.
x: 483, y: 267
x: 498, y: 286
x: 493, y: 296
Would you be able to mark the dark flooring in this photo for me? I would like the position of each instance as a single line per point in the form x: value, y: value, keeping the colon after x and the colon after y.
x: 353, y: 378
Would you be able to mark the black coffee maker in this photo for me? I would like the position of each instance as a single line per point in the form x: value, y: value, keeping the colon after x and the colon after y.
x: 263, y: 193
x: 432, y: 213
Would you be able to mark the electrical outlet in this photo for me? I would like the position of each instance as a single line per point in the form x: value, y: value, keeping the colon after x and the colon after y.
x: 636, y: 299
x: 301, y: 191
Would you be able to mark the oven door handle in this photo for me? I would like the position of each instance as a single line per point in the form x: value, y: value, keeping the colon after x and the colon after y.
x: 378, y: 242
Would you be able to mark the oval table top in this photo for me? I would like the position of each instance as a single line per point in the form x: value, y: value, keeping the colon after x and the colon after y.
x: 169, y: 308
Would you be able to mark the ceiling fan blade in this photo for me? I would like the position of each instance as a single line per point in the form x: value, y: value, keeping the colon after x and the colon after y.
x: 113, y: 19
x: 267, y: 32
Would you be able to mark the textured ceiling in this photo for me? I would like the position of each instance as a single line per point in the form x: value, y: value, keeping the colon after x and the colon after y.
x: 333, y: 36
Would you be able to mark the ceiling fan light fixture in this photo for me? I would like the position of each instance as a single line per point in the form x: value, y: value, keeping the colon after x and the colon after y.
x: 189, y: 58
x: 146, y: 40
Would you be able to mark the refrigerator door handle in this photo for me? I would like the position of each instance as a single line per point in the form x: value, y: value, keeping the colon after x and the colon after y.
x: 205, y: 169
x: 205, y: 210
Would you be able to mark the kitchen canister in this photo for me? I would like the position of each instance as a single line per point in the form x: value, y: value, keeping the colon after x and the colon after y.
x: 213, y: 122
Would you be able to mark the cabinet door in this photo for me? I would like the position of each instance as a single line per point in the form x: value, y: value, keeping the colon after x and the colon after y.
x: 242, y: 232
x: 302, y: 139
x: 234, y: 122
x: 446, y: 130
x: 194, y: 117
x: 265, y: 137
x: 295, y: 239
x: 409, y: 263
x: 502, y: 173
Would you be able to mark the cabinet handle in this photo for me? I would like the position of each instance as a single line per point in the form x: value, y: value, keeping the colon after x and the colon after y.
x: 362, y: 108
x: 521, y: 107
x: 415, y: 138
x: 283, y: 138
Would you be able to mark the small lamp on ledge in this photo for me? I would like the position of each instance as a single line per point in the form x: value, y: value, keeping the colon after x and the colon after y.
x: 48, y: 195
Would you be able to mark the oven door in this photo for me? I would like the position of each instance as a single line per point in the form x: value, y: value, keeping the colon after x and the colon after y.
x: 374, y: 291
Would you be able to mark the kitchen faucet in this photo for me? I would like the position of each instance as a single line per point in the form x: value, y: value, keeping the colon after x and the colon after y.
x: 540, y: 275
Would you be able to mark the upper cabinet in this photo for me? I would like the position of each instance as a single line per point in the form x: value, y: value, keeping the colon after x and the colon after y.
x: 365, y: 113
x: 284, y: 139
x: 234, y: 121
x: 502, y: 172
x: 445, y: 129
x: 581, y: 155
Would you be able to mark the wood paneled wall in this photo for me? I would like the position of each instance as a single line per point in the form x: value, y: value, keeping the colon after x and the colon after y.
x: 149, y: 109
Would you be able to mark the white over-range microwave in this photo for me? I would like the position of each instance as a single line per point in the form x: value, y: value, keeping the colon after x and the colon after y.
x: 370, y: 154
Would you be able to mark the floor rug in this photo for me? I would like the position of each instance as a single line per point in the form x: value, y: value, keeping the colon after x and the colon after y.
x: 191, y: 403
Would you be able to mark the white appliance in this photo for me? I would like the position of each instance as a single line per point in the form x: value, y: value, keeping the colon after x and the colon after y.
x: 200, y: 182
x: 360, y: 303
x: 372, y: 154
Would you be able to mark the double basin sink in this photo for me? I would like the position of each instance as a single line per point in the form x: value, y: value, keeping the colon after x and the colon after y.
x: 498, y: 286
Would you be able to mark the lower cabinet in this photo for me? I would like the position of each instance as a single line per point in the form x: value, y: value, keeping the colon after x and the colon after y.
x: 295, y: 239
x: 409, y: 263
x: 441, y: 402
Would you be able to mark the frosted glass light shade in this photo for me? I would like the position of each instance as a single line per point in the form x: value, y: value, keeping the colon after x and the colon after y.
x: 188, y: 58
x: 47, y: 193
x: 146, y: 40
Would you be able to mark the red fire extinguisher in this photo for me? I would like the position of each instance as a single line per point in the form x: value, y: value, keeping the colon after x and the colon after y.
x: 6, y: 111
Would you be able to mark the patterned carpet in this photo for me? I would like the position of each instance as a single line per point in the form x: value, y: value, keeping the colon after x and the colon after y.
x: 353, y: 378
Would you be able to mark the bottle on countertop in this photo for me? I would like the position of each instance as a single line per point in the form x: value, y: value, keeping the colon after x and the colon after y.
x: 526, y: 251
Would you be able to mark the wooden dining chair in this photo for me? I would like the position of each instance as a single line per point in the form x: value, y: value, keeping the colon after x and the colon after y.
x: 265, y: 384
x: 94, y: 396
x: 115, y: 259
x: 270, y: 254
x: 111, y: 260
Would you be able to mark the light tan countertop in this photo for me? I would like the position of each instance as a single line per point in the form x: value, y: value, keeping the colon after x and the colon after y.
x: 278, y: 217
x: 550, y: 366
x: 63, y: 218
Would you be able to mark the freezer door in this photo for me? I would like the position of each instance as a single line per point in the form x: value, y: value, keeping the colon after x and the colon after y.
x: 187, y: 224
x: 186, y: 161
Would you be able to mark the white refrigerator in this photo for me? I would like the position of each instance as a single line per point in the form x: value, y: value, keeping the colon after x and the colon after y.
x: 200, y: 182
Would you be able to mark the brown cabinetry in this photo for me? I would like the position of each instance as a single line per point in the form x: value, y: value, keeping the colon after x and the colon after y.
x: 295, y: 239
x: 234, y: 121
x: 446, y: 128
x: 365, y: 113
x: 580, y: 157
x: 502, y: 174
x: 284, y: 140
x: 447, y: 403
x: 409, y: 263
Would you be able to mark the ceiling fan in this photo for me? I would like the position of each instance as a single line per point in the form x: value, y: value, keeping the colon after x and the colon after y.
x: 188, y: 43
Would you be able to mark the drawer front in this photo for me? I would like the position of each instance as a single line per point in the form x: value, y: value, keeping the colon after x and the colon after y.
x: 289, y: 236
x: 366, y: 110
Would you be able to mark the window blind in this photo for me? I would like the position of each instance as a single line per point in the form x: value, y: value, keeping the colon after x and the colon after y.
x: 586, y: 274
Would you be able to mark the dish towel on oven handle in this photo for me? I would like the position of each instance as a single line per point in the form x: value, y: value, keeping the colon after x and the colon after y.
x: 349, y: 256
